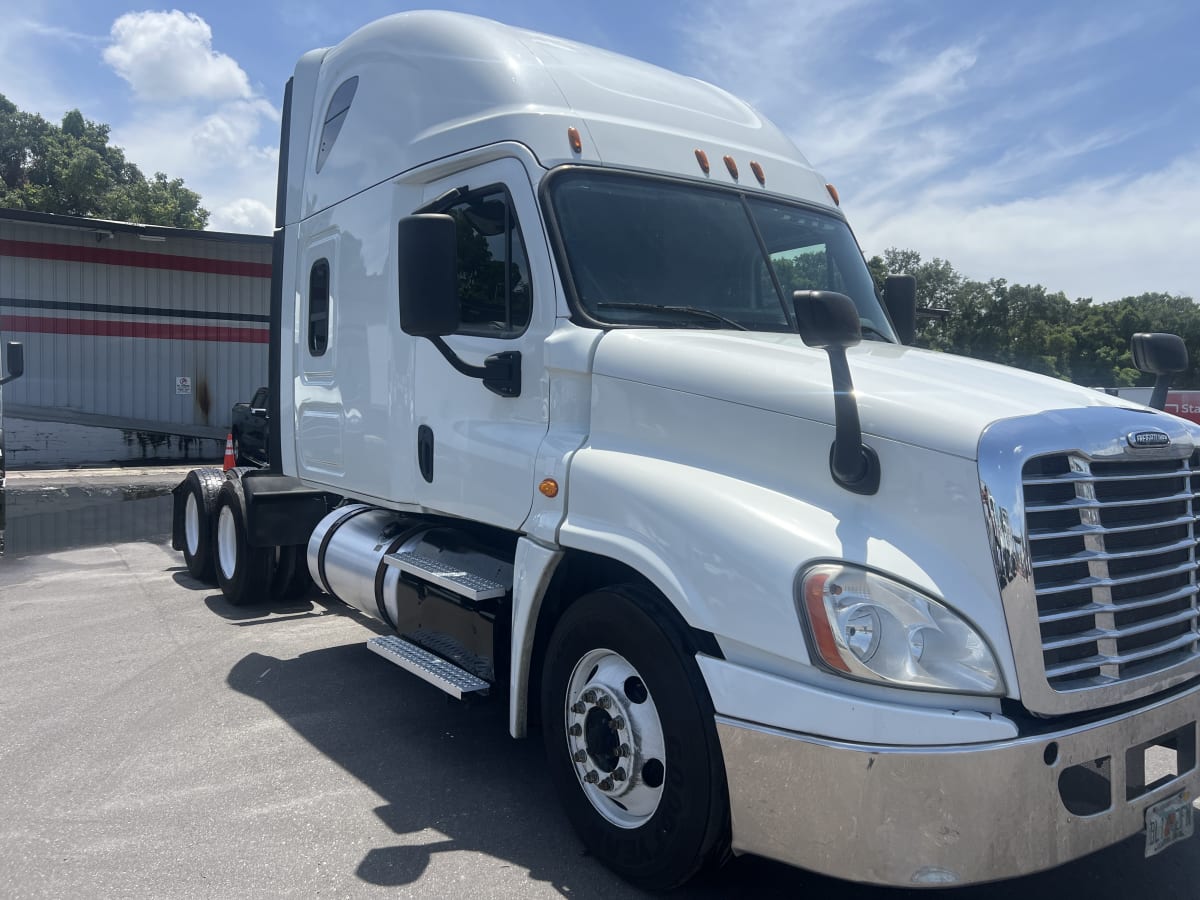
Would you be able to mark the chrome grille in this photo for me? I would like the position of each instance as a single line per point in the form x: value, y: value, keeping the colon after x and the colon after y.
x: 1112, y: 548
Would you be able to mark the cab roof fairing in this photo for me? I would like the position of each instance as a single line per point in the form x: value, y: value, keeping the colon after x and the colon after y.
x: 435, y: 84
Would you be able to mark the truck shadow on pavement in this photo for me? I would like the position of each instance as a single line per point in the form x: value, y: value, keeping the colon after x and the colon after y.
x: 454, y: 781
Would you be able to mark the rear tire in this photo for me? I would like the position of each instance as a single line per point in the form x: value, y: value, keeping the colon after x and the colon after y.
x: 243, y: 572
x: 631, y: 740
x: 200, y: 498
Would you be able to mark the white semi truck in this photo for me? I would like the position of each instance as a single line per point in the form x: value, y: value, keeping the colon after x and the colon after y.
x: 579, y: 383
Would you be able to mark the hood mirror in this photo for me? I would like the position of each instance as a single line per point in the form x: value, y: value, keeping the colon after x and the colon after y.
x: 830, y: 322
x: 1162, y: 355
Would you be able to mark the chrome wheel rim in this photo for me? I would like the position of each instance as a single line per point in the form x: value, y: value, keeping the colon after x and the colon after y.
x: 191, y: 524
x: 227, y: 542
x: 615, y: 738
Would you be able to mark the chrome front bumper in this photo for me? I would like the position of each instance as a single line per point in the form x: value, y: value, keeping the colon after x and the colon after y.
x: 927, y: 816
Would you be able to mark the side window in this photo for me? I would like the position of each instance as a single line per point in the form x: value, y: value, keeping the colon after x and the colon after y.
x: 318, y: 308
x: 494, y: 292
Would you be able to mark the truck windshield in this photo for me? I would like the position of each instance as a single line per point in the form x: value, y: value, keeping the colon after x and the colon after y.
x: 648, y: 251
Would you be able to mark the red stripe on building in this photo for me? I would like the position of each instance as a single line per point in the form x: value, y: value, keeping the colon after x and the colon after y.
x: 170, y: 331
x: 136, y: 258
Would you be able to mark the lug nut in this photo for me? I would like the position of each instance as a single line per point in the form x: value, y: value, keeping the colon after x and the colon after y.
x: 619, y: 774
x: 604, y: 702
x: 579, y: 756
x: 617, y: 724
x: 623, y: 750
x: 591, y: 777
x: 575, y: 730
x: 606, y: 784
x: 578, y: 707
x: 589, y: 696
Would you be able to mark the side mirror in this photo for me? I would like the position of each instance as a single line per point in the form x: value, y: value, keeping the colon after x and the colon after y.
x: 900, y: 298
x: 428, y: 280
x: 1161, y: 355
x: 427, y: 273
x: 16, y: 361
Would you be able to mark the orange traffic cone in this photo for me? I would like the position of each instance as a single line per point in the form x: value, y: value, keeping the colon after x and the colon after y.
x: 230, y: 458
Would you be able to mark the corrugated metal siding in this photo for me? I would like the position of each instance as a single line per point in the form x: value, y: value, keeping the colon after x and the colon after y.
x: 110, y: 321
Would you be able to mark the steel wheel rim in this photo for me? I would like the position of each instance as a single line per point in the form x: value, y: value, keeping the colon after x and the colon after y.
x: 191, y: 524
x: 615, y: 738
x: 227, y: 542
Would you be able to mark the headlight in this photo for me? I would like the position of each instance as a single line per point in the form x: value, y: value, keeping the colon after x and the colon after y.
x: 871, y: 627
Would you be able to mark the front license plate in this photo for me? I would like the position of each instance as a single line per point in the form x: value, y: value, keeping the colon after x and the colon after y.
x: 1168, y: 821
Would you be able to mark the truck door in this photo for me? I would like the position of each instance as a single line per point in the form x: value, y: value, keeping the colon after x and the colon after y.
x: 484, y: 445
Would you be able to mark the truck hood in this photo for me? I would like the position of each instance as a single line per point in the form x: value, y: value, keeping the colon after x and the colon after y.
x: 934, y: 400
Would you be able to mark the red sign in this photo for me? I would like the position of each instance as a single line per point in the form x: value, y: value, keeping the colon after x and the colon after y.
x: 1185, y: 404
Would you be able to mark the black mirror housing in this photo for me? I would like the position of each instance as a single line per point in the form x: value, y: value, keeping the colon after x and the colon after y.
x: 15, y: 361
x: 827, y: 319
x: 1158, y: 353
x: 900, y: 298
x: 426, y: 266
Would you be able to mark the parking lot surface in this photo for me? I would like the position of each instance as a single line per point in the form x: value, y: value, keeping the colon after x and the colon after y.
x: 157, y: 742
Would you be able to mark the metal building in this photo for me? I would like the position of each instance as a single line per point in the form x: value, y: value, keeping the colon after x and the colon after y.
x: 138, y: 339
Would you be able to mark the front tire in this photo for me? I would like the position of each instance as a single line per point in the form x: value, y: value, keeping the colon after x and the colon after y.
x: 243, y: 572
x: 631, y: 741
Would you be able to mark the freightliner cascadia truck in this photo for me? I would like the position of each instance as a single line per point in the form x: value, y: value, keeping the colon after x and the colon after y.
x: 579, y: 382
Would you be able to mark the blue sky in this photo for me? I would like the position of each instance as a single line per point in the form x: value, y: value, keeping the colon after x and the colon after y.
x: 1053, y: 143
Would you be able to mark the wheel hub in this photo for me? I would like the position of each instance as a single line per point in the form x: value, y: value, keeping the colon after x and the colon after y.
x: 615, y: 738
x: 227, y: 543
x: 191, y: 523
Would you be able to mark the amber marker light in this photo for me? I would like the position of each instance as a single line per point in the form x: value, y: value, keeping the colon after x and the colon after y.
x: 758, y: 173
x: 731, y: 166
x: 575, y: 139
x: 549, y: 487
x: 702, y: 158
x: 837, y: 201
x: 818, y: 619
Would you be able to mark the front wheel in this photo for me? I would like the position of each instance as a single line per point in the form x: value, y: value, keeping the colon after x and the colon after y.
x: 631, y: 742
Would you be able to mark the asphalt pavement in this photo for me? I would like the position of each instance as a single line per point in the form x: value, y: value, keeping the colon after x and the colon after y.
x: 157, y: 742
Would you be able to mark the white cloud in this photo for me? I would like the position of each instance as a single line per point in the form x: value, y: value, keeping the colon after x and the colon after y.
x: 244, y: 215
x: 196, y: 117
x: 970, y: 147
x: 1103, y: 239
x: 168, y: 56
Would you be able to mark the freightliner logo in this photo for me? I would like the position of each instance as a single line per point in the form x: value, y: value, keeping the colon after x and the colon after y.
x: 1147, y: 439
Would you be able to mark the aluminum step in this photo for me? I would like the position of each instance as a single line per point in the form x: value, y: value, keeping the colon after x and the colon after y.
x: 456, y: 581
x: 432, y: 668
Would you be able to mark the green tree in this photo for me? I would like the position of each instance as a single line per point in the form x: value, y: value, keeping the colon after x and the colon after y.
x: 1032, y: 328
x: 73, y: 170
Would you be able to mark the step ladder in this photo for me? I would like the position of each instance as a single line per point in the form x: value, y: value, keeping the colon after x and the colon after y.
x: 442, y: 674
x: 449, y: 578
x: 416, y: 652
